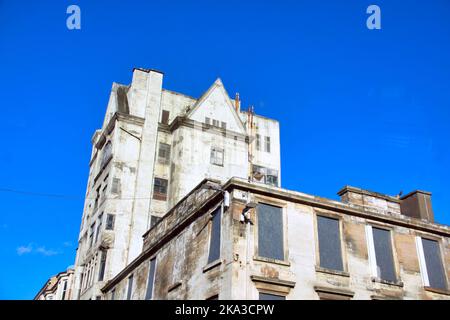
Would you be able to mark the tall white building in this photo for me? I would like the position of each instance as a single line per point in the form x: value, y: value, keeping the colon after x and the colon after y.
x: 154, y: 147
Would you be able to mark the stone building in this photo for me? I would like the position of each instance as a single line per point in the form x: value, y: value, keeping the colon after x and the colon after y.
x: 184, y: 201
x: 58, y: 287
x: 154, y: 147
x: 246, y: 240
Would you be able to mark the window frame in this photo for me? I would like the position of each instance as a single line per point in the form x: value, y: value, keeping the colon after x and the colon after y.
x: 159, y: 195
x: 338, y: 217
x: 372, y: 254
x: 213, y: 156
x: 154, y: 277
x: 254, y: 217
x: 130, y: 282
x: 422, y: 261
x: 210, y: 228
x: 167, y: 151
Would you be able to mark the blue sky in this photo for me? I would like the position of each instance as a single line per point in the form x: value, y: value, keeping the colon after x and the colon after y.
x: 368, y: 108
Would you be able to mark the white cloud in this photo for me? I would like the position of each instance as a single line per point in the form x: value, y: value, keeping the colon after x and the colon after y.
x: 24, y: 249
x: 67, y: 244
x: 34, y: 249
x: 46, y: 252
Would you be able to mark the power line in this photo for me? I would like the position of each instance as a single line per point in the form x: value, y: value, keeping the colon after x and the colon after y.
x: 63, y: 196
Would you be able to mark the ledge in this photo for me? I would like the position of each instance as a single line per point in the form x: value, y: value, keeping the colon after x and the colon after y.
x: 279, y: 282
x: 333, y: 272
x: 436, y: 290
x: 174, y: 286
x: 212, y: 265
x: 337, y: 291
x: 269, y: 260
x: 389, y: 283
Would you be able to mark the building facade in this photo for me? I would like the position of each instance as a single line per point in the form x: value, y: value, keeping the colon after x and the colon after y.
x: 58, y: 287
x: 246, y: 240
x: 155, y: 145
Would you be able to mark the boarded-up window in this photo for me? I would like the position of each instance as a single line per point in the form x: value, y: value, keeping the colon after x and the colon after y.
x: 164, y: 153
x: 268, y: 296
x: 130, y: 287
x: 165, y: 117
x: 267, y: 144
x: 151, y: 279
x: 214, y: 240
x: 270, y: 232
x: 101, y: 272
x: 160, y: 189
x: 383, y: 254
x: 329, y: 243
x: 433, y: 261
x: 217, y: 156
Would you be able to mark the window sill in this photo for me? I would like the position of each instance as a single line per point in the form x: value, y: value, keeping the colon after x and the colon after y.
x: 275, y: 261
x: 436, y: 290
x: 390, y: 283
x: 212, y: 265
x: 332, y: 271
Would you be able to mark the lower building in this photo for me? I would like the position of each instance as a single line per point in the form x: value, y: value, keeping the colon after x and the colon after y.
x: 242, y: 240
x: 58, y: 287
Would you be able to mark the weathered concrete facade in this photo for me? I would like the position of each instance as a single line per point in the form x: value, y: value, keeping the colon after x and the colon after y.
x: 178, y: 248
x: 155, y: 145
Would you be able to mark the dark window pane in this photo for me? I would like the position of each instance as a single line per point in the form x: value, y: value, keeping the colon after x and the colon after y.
x: 154, y: 220
x: 101, y: 273
x: 383, y: 254
x: 270, y: 232
x: 165, y: 117
x: 160, y: 189
x: 433, y: 261
x: 267, y: 296
x: 329, y: 243
x: 130, y: 287
x: 109, y: 222
x: 151, y: 280
x: 214, y: 244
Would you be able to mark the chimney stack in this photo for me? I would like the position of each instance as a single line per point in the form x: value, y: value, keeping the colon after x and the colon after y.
x: 417, y: 204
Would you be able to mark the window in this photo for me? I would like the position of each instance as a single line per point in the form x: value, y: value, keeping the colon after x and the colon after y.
x: 165, y: 117
x: 431, y: 266
x: 267, y: 144
x: 216, y: 123
x: 109, y: 221
x: 115, y: 185
x: 217, y: 156
x: 224, y: 125
x: 91, y: 235
x: 130, y: 287
x: 380, y: 254
x: 207, y: 120
x: 258, y: 142
x: 270, y: 232
x: 101, y: 272
x: 160, y: 189
x: 214, y: 240
x: 330, y: 254
x: 151, y: 280
x: 113, y: 294
x: 268, y: 296
x: 271, y: 177
x: 107, y: 154
x: 164, y: 153
x: 64, y: 290
x: 154, y: 220
x: 97, y: 197
x: 99, y: 226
